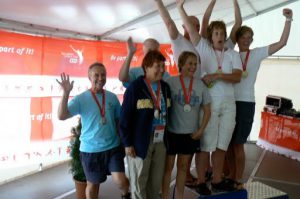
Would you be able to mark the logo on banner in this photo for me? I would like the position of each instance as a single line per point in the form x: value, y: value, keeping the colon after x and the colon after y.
x: 76, y: 57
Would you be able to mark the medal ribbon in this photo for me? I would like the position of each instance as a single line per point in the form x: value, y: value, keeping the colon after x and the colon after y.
x: 101, y: 109
x: 245, y: 62
x: 187, y: 96
x: 219, y: 59
x: 155, y: 99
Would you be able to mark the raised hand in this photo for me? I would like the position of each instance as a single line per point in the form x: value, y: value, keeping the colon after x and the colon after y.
x: 131, y: 47
x: 180, y: 2
x: 288, y: 13
x: 65, y: 83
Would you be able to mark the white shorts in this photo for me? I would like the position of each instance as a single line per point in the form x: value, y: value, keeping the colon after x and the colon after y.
x: 219, y: 129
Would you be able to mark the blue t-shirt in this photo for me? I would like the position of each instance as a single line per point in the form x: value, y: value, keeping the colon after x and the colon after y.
x: 136, y: 72
x: 95, y: 136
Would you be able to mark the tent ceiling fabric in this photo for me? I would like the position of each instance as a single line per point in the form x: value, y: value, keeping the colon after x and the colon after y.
x: 114, y: 19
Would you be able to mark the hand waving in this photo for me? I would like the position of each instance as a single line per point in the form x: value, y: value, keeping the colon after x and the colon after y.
x: 65, y: 83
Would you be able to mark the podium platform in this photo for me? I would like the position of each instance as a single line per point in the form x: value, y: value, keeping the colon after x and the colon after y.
x: 253, y: 190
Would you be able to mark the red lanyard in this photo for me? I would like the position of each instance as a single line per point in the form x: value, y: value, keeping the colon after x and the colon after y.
x: 187, y: 96
x: 101, y: 109
x: 156, y: 99
x: 219, y: 59
x: 246, y: 60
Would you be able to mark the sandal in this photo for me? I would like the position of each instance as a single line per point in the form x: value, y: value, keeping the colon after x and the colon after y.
x: 191, y: 182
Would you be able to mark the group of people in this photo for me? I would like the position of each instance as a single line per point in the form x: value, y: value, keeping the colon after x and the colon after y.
x: 206, y: 110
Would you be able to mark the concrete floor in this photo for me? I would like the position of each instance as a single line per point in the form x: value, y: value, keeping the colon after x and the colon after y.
x: 56, y: 183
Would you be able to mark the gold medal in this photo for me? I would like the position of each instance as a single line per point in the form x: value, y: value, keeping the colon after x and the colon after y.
x: 219, y: 71
x: 245, y: 74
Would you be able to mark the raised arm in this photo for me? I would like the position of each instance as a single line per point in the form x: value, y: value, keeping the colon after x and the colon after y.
x: 288, y: 13
x: 124, y: 71
x: 172, y: 29
x: 206, y: 17
x: 237, y: 22
x: 191, y: 29
x: 66, y: 86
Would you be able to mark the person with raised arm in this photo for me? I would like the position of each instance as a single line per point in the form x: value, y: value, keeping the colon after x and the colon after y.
x: 179, y: 44
x: 221, y: 68
x: 127, y: 74
x: 101, y: 152
x: 245, y: 93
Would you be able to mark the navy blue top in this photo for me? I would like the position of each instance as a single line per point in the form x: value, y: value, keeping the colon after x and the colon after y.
x: 137, y: 115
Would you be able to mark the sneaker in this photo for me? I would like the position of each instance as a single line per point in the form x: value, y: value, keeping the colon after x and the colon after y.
x: 202, y: 189
x: 127, y: 196
x: 222, y: 186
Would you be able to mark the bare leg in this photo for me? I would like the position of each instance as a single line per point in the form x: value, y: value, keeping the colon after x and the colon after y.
x: 121, y: 180
x: 182, y: 165
x: 92, y: 190
x: 170, y: 159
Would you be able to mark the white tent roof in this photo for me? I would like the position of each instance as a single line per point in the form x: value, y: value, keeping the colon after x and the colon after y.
x: 114, y: 19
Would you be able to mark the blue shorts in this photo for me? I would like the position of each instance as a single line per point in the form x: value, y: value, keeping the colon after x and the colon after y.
x: 98, y: 165
x: 181, y: 144
x: 244, y: 120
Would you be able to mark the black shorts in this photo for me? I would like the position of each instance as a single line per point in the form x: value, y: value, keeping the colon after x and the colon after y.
x: 97, y: 166
x: 244, y: 120
x: 181, y: 144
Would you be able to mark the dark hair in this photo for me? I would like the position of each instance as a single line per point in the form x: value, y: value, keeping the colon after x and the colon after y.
x: 215, y: 25
x: 150, y: 58
x: 95, y: 65
x: 183, y: 57
x: 242, y: 30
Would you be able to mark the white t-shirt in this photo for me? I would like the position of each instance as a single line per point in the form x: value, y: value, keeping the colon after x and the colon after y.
x: 244, y: 91
x: 209, y: 65
x: 181, y: 44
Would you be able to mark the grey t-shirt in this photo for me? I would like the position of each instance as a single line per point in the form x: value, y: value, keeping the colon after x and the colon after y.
x: 186, y: 122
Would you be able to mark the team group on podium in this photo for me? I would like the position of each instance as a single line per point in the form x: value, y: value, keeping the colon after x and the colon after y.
x: 205, y: 111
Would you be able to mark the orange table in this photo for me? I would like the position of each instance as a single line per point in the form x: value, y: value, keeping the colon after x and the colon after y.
x: 280, y: 134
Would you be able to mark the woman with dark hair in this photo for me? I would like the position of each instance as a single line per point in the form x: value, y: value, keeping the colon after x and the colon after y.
x: 189, y: 96
x: 143, y: 122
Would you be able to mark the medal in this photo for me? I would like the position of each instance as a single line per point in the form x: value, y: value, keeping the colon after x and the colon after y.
x: 101, y: 108
x: 103, y: 120
x: 219, y: 61
x: 187, y: 94
x: 219, y: 71
x: 187, y: 108
x: 245, y: 72
x: 156, y: 98
x: 156, y: 114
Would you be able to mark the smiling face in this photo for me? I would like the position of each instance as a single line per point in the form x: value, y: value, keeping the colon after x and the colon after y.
x: 244, y: 37
x: 97, y: 77
x: 155, y: 72
x: 187, y: 63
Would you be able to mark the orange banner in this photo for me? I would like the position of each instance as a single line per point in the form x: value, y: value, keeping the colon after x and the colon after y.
x: 20, y: 54
x: 282, y: 131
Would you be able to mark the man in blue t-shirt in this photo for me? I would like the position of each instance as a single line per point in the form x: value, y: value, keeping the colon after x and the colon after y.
x: 127, y: 75
x: 101, y: 153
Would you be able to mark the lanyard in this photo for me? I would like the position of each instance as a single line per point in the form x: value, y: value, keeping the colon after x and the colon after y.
x: 187, y: 96
x: 155, y: 98
x: 245, y: 62
x: 101, y: 109
x: 219, y: 59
